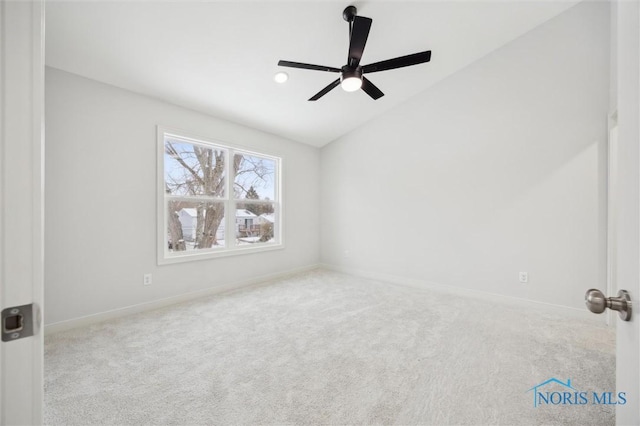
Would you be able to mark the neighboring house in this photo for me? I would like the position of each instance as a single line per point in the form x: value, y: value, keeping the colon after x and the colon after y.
x: 187, y: 219
x: 266, y: 218
x: 245, y: 222
x: 245, y: 219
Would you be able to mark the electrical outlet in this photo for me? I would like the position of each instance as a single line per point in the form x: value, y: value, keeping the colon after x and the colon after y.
x: 524, y: 277
x: 146, y: 280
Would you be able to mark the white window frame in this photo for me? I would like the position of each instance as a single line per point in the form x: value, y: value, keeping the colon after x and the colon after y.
x: 231, y: 247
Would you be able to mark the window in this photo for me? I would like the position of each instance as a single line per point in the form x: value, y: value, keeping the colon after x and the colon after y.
x: 215, y: 200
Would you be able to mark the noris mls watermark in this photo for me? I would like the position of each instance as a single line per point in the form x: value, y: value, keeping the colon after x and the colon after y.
x: 569, y: 395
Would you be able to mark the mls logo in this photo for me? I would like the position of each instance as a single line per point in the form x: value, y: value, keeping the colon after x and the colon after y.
x: 569, y: 395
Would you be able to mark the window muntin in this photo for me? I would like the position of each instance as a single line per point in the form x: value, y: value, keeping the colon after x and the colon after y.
x: 199, y: 217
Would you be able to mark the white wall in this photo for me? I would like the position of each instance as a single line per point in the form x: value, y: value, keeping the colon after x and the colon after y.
x: 500, y: 168
x: 101, y: 200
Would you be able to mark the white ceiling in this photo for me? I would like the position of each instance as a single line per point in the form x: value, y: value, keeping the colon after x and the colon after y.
x: 220, y: 57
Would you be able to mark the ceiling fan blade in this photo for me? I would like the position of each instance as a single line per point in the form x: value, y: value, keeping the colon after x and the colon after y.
x: 402, y: 61
x: 307, y: 66
x: 371, y: 89
x: 359, y: 34
x: 326, y: 90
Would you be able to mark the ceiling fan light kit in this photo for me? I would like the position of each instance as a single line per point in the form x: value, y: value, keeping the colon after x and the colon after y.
x: 351, y: 79
x: 352, y: 74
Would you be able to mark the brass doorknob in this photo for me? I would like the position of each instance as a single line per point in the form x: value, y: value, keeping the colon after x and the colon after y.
x: 597, y: 303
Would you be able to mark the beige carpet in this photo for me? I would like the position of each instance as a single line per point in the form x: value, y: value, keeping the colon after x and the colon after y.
x: 326, y: 348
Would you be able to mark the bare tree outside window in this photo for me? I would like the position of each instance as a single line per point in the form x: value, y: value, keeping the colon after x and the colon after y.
x: 195, y: 180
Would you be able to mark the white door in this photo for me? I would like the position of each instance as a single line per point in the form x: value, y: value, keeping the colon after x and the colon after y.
x: 21, y: 202
x: 627, y: 239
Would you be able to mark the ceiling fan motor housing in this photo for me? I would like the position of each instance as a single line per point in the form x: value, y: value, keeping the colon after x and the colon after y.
x: 350, y: 72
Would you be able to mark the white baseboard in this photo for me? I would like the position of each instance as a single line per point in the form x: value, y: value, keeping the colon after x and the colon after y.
x: 161, y: 303
x: 568, y: 311
x: 264, y: 279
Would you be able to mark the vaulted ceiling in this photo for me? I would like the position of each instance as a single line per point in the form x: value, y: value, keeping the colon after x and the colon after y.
x: 220, y: 57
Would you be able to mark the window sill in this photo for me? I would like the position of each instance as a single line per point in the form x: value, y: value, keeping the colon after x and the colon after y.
x: 167, y: 258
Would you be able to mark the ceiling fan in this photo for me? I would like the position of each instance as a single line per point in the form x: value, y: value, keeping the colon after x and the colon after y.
x: 352, y: 74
